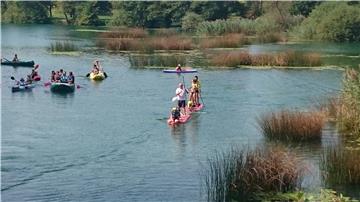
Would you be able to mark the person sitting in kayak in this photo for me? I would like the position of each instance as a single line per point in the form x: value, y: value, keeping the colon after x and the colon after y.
x: 29, y: 80
x: 57, y: 76
x: 181, y: 96
x: 178, y: 68
x: 175, y: 113
x: 21, y: 82
x: 95, y: 69
x: 71, y: 78
x: 97, y: 64
x: 16, y: 59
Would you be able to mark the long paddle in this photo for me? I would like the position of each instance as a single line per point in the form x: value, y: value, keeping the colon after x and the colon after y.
x: 7, y: 60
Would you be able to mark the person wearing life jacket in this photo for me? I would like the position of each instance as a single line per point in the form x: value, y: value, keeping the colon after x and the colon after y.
x: 64, y: 78
x: 71, y: 78
x: 178, y: 68
x: 175, y: 113
x: 22, y: 82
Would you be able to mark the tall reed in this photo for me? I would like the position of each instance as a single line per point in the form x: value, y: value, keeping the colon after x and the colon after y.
x: 340, y: 166
x: 226, y: 41
x: 289, y: 58
x: 242, y: 175
x: 156, y: 60
x: 292, y: 125
x: 349, y: 108
x: 63, y: 46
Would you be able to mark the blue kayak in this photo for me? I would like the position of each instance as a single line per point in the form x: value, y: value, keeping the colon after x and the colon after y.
x: 180, y: 72
x: 26, y: 87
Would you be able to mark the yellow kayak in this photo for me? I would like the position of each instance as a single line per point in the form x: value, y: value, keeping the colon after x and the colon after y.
x: 97, y: 77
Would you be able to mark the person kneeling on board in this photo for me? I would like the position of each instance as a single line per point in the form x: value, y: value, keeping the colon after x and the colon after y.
x: 175, y: 114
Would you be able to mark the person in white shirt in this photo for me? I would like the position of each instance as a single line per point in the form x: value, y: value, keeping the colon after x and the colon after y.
x: 181, y: 95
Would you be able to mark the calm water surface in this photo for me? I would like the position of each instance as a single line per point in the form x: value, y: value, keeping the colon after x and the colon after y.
x: 109, y: 141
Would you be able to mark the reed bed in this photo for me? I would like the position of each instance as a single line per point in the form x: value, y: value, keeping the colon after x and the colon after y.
x: 340, y: 166
x: 290, y: 58
x: 292, y: 125
x: 125, y: 33
x: 245, y: 174
x: 149, y: 44
x: 226, y: 41
x: 63, y: 46
x: 220, y: 27
x: 349, y: 108
x: 139, y: 61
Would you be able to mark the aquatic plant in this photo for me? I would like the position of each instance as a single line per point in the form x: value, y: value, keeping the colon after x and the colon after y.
x: 348, y: 115
x: 125, y: 33
x: 289, y: 58
x: 226, y: 41
x: 340, y: 166
x: 245, y: 174
x: 220, y: 27
x: 156, y: 60
x: 292, y: 125
x: 63, y: 46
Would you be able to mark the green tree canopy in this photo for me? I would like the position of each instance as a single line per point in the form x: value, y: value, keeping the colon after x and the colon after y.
x: 23, y: 12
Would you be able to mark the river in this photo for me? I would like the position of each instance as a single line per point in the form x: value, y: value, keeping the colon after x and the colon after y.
x: 109, y: 141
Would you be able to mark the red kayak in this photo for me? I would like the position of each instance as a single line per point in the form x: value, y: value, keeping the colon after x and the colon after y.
x: 37, y: 78
x: 182, y: 119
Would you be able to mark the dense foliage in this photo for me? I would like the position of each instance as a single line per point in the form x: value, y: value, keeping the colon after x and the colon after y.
x: 333, y: 21
x: 24, y: 12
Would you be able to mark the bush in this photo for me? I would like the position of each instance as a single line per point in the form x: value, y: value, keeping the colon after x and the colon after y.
x: 244, y: 174
x: 292, y: 125
x: 332, y: 21
x: 190, y: 21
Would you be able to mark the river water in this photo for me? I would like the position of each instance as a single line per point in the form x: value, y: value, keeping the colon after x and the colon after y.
x: 109, y: 141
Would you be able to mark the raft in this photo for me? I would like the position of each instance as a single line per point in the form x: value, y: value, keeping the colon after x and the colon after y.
x: 62, y: 87
x: 97, y: 77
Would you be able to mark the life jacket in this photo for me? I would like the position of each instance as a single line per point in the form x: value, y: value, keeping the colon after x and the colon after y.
x: 175, y: 113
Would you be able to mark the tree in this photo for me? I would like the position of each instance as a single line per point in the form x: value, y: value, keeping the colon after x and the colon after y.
x: 212, y: 10
x: 88, y: 14
x: 25, y: 12
x: 303, y: 7
x: 190, y: 21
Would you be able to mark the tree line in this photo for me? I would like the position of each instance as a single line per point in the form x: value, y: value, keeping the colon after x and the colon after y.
x: 310, y: 18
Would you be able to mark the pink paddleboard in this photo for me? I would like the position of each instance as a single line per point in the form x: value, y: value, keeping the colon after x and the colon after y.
x: 182, y: 119
x: 197, y: 108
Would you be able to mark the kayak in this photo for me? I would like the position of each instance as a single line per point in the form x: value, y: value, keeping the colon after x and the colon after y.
x: 62, y: 87
x: 197, y: 108
x: 37, y: 78
x: 181, y: 120
x: 18, y: 88
x: 97, y: 77
x: 20, y: 63
x: 179, y: 72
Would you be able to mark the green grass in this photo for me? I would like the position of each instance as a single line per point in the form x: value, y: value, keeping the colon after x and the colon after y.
x: 63, y: 46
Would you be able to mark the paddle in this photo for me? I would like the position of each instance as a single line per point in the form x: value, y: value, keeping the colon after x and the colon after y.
x: 174, y: 99
x: 7, y: 60
x: 12, y: 78
x: 201, y: 99
x: 88, y: 74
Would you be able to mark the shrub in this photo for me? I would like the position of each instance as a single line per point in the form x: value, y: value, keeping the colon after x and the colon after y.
x: 245, y: 174
x: 292, y: 126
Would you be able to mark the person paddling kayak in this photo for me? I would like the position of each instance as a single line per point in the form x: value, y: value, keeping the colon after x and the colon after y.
x: 16, y: 59
x: 178, y: 68
x: 181, y: 97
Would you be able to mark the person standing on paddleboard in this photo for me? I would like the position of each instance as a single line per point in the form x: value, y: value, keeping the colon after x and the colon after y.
x: 181, y: 96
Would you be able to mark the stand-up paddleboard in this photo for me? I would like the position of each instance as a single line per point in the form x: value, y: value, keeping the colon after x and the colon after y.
x: 197, y: 108
x: 184, y: 71
x: 181, y: 120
